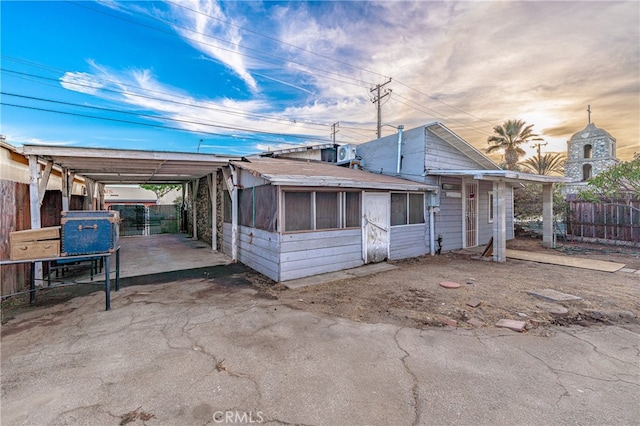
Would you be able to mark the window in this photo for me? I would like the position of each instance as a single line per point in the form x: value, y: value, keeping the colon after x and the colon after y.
x: 264, y: 217
x: 588, y: 151
x: 490, y: 207
x: 586, y: 172
x: 321, y: 210
x: 407, y: 208
x: 297, y: 211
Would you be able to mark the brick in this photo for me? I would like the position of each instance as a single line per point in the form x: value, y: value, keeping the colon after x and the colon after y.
x: 511, y: 324
x: 450, y: 322
x: 474, y: 303
x: 475, y: 322
x: 535, y: 323
x: 449, y: 284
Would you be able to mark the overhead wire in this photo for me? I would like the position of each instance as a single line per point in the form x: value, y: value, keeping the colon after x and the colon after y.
x: 226, y: 110
x: 155, y: 117
x: 286, y: 61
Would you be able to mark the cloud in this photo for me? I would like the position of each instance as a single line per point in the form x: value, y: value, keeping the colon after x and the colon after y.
x: 204, y: 25
x: 471, y: 65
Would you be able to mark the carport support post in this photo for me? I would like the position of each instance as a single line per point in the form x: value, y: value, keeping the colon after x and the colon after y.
x: 65, y: 189
x: 194, y: 213
x: 499, y: 222
x: 34, y: 200
x: 212, y: 180
x: 547, y: 215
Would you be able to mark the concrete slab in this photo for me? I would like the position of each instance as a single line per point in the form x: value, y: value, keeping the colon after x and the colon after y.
x: 186, y: 352
x: 142, y: 256
x: 553, y: 309
x: 511, y: 324
x: 553, y: 295
x: 361, y: 271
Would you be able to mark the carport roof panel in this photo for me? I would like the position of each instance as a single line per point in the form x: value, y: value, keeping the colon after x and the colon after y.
x: 112, y: 166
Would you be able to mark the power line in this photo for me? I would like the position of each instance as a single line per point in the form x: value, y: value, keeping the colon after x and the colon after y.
x: 146, y: 116
x: 228, y: 110
x: 287, y: 61
x: 290, y: 45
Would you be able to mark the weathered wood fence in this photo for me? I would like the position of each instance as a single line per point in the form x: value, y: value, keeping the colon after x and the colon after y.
x: 15, y: 215
x: 604, y: 221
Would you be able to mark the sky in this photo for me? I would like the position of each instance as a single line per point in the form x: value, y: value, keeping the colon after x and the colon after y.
x: 239, y: 77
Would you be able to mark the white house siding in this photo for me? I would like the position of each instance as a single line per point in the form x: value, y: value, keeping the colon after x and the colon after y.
x: 409, y: 241
x: 257, y: 249
x: 311, y: 253
x: 448, y: 221
x: 441, y: 155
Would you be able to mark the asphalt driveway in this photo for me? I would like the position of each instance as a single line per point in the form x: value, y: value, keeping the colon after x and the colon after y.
x: 197, y: 352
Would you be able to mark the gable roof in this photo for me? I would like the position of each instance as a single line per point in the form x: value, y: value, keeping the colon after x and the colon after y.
x: 304, y: 173
x: 444, y: 133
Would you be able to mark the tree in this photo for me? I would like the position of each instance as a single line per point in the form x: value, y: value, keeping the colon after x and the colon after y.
x: 545, y: 164
x: 527, y: 201
x: 618, y: 182
x: 161, y: 190
x: 508, y: 137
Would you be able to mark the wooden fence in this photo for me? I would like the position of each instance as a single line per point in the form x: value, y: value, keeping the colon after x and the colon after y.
x: 604, y: 221
x: 15, y: 215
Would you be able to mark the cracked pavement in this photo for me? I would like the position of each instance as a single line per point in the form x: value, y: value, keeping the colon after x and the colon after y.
x: 187, y: 351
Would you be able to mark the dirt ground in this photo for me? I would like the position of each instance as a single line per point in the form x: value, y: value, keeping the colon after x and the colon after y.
x: 411, y: 295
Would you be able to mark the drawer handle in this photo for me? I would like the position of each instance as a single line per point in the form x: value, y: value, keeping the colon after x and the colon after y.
x: 80, y: 227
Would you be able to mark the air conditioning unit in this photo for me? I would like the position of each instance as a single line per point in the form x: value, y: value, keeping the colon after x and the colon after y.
x: 346, y: 153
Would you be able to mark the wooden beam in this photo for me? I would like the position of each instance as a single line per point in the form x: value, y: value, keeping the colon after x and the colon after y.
x: 66, y: 192
x: 44, y: 181
x: 213, y: 194
x: 194, y: 216
x: 34, y: 200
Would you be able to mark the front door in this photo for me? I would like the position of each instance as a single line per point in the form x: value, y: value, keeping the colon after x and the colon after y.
x: 375, y: 226
x: 470, y: 206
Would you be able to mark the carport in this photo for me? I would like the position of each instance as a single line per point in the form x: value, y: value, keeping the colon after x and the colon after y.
x: 100, y: 167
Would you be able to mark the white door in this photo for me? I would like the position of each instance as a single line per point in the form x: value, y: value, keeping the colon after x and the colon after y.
x: 375, y: 226
x: 470, y: 206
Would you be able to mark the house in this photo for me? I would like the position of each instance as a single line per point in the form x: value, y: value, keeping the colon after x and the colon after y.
x: 413, y: 193
x: 289, y: 218
x: 473, y: 201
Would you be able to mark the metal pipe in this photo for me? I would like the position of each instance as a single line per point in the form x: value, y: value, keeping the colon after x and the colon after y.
x: 400, y: 127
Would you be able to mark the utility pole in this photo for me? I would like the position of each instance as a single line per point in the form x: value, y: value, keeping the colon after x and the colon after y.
x: 539, y: 144
x: 377, y: 98
x: 334, y: 130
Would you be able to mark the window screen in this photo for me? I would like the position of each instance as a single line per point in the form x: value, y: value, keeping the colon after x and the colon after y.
x: 352, y: 210
x: 327, y: 213
x: 416, y: 208
x: 398, y: 209
x: 297, y: 211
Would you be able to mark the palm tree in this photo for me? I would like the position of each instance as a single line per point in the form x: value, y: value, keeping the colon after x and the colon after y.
x: 546, y: 164
x: 508, y: 137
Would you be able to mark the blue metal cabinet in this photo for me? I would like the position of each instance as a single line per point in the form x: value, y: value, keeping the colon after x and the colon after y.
x: 89, y: 232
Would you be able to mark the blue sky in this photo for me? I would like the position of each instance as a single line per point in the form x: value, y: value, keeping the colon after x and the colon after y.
x: 244, y: 76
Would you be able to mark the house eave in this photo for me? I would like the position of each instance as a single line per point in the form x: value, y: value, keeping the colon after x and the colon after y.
x: 505, y: 175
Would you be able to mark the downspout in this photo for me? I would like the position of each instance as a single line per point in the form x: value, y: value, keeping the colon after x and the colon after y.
x: 432, y: 231
x: 400, y: 127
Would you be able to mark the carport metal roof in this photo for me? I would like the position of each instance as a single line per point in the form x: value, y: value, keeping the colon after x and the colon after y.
x: 122, y: 166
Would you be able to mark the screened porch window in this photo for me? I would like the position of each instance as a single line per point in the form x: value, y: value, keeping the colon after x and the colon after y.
x: 321, y: 210
x: 407, y: 208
